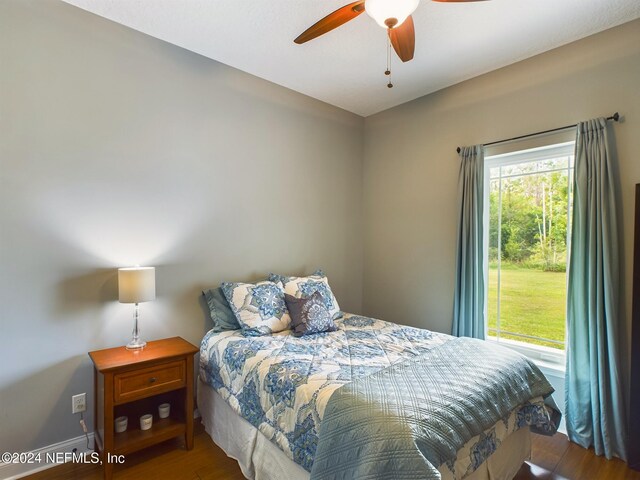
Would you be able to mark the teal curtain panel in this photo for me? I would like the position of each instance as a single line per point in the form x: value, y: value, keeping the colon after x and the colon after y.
x: 594, y: 402
x: 468, y: 313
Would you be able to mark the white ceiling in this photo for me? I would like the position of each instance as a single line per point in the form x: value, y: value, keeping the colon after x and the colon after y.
x: 454, y: 41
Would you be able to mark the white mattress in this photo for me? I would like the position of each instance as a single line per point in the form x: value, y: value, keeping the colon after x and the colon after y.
x: 260, y: 459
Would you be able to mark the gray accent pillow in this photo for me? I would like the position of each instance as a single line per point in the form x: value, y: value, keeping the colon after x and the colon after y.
x: 309, y: 315
x: 220, y: 311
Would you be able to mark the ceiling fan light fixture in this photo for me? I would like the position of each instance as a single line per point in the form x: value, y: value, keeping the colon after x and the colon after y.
x: 390, y: 13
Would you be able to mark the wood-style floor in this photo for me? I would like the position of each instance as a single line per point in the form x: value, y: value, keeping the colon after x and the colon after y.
x: 553, y: 458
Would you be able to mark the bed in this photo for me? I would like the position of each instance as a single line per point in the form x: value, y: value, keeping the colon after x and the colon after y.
x: 354, y: 403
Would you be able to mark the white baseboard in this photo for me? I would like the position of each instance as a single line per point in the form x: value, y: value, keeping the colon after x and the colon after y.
x: 10, y: 471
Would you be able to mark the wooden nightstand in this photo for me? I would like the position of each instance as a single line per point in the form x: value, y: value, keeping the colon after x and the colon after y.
x: 134, y: 383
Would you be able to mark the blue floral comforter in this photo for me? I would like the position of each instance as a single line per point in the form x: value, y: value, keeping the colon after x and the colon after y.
x: 282, y: 384
x: 403, y: 422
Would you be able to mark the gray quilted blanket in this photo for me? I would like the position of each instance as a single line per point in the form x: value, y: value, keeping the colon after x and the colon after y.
x: 405, y: 421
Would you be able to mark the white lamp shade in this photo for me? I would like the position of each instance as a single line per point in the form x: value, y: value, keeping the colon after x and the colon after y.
x: 381, y: 10
x: 136, y: 284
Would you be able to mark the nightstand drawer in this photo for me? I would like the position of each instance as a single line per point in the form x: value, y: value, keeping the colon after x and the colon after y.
x: 149, y: 381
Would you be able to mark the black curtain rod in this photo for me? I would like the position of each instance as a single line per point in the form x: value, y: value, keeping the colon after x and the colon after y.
x: 615, y: 117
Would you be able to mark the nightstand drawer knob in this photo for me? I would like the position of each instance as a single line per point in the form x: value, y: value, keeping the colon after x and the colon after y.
x: 152, y: 379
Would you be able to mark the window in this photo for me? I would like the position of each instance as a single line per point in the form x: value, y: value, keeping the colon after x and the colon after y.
x: 528, y: 198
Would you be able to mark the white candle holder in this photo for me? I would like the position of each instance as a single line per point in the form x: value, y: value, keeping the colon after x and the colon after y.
x: 121, y: 424
x: 146, y: 421
x: 164, y: 410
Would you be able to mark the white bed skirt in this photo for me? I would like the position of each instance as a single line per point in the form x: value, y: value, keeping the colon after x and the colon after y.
x: 259, y: 459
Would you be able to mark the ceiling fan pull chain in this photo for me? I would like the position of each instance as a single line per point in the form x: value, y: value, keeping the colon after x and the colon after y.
x: 388, y: 70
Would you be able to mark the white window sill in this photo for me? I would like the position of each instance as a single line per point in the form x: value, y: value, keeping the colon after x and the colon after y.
x: 550, y: 360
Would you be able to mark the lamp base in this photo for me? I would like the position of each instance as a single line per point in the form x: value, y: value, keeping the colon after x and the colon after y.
x: 136, y: 344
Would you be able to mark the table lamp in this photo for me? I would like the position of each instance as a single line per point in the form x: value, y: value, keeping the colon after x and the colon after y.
x: 136, y: 285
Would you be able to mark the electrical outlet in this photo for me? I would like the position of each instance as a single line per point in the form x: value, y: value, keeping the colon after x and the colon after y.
x: 79, y: 403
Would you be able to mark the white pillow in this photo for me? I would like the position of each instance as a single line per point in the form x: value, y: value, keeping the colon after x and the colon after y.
x: 259, y: 307
x: 304, y: 287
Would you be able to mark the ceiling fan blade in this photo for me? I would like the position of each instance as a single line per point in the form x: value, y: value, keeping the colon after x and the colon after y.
x: 331, y: 21
x: 403, y: 39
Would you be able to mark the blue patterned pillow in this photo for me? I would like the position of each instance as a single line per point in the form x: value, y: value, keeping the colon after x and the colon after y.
x: 309, y: 315
x: 259, y: 307
x: 303, y: 287
x: 220, y: 311
x: 274, y: 277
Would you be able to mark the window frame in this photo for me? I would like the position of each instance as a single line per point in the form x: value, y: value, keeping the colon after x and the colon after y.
x: 548, y: 357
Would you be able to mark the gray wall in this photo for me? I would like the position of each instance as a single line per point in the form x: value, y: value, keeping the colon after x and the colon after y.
x: 411, y: 166
x: 119, y: 149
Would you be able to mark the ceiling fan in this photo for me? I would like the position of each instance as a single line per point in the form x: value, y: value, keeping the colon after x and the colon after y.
x: 393, y: 15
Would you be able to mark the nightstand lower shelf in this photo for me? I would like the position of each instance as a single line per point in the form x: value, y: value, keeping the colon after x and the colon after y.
x: 135, y: 439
